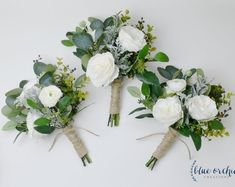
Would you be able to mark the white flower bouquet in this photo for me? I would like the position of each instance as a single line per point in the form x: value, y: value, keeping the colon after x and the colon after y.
x: 111, y: 50
x: 50, y: 102
x: 187, y: 103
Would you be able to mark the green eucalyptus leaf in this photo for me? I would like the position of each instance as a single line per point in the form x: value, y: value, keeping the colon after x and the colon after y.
x: 46, y: 79
x: 134, y: 91
x: 44, y: 129
x: 9, y: 112
x: 148, y: 77
x: 216, y: 125
x: 39, y: 68
x: 14, y: 93
x: 98, y: 34
x: 80, y: 53
x: 109, y: 22
x: 96, y: 24
x: 23, y: 83
x: 10, y: 101
x: 67, y: 43
x: 164, y: 73
x: 162, y: 57
x: 145, y: 89
x: 149, y: 115
x: 10, y: 125
x: 42, y: 121
x: 83, y: 40
x: 137, y: 110
x: 196, y: 140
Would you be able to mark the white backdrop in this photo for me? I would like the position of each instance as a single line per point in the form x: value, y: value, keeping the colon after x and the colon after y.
x: 195, y: 33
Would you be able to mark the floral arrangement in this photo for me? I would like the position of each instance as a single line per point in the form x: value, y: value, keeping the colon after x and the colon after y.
x: 113, y: 49
x: 187, y: 103
x: 39, y: 107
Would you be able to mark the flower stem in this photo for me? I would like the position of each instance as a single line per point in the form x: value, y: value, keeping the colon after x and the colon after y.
x: 151, y: 163
x: 114, y: 120
x: 86, y: 159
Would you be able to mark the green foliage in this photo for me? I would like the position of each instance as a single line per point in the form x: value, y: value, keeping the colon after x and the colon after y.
x: 144, y: 52
x: 67, y: 43
x: 137, y: 110
x: 44, y: 129
x: 14, y: 93
x: 42, y: 121
x: 33, y: 104
x: 148, y: 77
x: 81, y: 81
x: 148, y: 115
x: 170, y: 72
x: 196, y: 140
x: 64, y: 102
x: 134, y: 91
x: 23, y: 83
x: 162, y: 57
x: 83, y: 40
x: 215, y: 125
x: 10, y: 125
x: 46, y: 79
x: 145, y: 89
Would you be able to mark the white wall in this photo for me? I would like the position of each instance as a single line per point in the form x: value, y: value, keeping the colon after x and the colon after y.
x: 195, y: 33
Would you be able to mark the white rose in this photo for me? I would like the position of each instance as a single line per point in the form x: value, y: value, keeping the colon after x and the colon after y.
x: 101, y: 69
x: 31, y: 117
x: 168, y: 111
x: 50, y: 95
x: 175, y: 86
x: 202, y: 108
x: 30, y: 91
x: 131, y: 38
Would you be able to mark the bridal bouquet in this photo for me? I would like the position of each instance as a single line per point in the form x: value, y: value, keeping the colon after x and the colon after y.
x: 111, y: 50
x: 187, y: 103
x: 39, y: 107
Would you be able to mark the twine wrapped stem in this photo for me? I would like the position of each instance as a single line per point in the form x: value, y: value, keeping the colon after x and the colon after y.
x: 115, y: 103
x: 164, y: 146
x: 71, y: 134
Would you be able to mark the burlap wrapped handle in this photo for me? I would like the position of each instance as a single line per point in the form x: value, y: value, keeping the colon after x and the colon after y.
x: 114, y: 109
x: 71, y: 134
x: 164, y: 146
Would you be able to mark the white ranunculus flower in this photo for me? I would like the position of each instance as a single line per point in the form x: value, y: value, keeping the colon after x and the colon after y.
x: 101, y: 69
x: 131, y: 38
x: 202, y: 108
x: 31, y: 117
x: 175, y: 86
x: 30, y: 91
x: 168, y: 111
x: 50, y: 95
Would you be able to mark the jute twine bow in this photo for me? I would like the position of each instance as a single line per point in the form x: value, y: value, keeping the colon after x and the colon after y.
x: 168, y: 140
x: 115, y: 96
x: 71, y: 134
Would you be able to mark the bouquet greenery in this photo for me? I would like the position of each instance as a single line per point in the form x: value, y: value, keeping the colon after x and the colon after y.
x: 40, y: 106
x: 113, y: 49
x: 187, y: 103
